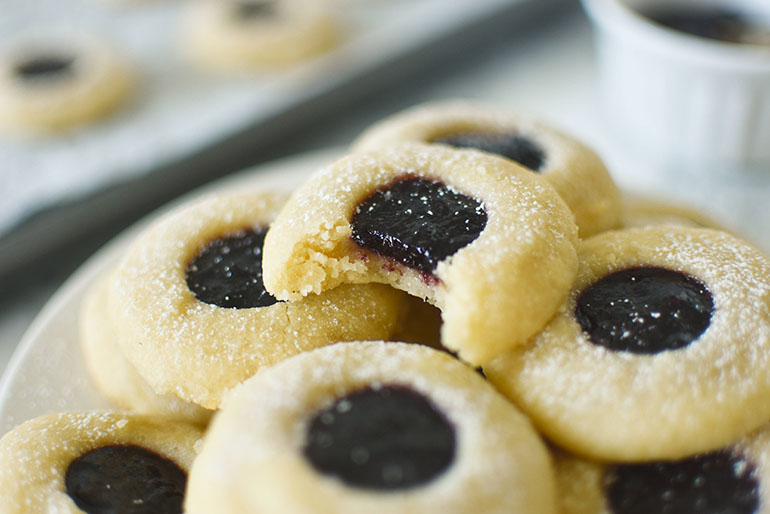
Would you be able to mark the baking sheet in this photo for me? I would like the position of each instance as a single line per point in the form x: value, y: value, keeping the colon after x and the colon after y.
x: 183, y: 122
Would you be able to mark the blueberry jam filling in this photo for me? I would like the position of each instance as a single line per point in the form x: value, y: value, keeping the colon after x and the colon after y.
x: 228, y: 272
x: 720, y: 24
x: 249, y: 10
x: 44, y: 66
x: 712, y: 483
x: 417, y: 222
x: 388, y: 438
x: 127, y: 479
x: 511, y: 146
x: 644, y: 310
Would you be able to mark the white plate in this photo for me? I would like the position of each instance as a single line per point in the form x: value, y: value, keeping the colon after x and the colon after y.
x: 46, y: 373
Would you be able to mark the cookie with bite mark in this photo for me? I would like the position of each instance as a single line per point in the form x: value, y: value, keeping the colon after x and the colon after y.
x: 489, y: 243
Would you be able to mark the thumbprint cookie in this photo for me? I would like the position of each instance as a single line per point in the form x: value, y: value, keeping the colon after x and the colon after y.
x: 96, y: 463
x: 487, y: 242
x: 660, y: 352
x: 193, y: 316
x: 370, y: 427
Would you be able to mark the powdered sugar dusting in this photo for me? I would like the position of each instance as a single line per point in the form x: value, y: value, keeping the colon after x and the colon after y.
x: 498, y: 456
x: 528, y: 243
x: 618, y: 404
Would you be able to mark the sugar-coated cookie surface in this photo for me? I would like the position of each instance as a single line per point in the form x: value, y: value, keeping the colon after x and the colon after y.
x: 36, y: 459
x: 574, y: 170
x: 271, y: 449
x: 242, y: 35
x: 674, y: 365
x: 115, y: 377
x: 733, y: 479
x: 199, y: 350
x: 53, y: 83
x: 494, y: 293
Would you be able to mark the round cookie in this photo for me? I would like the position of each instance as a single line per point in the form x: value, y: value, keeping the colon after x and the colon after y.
x: 385, y: 428
x: 193, y: 316
x: 115, y: 377
x: 660, y: 351
x: 640, y: 211
x: 574, y: 170
x: 242, y: 35
x: 733, y: 479
x: 52, y: 83
x: 96, y: 462
x: 465, y: 230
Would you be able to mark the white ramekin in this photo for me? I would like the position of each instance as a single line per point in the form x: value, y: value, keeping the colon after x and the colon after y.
x: 686, y: 102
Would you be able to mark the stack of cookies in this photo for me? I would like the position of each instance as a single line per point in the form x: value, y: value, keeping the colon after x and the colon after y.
x: 404, y: 333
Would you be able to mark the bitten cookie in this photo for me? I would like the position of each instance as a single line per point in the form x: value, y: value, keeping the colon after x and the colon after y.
x: 383, y: 428
x: 574, y: 170
x: 52, y: 83
x: 115, y: 377
x: 660, y: 352
x: 733, y: 479
x: 192, y: 313
x: 489, y: 243
x: 242, y: 35
x: 96, y: 462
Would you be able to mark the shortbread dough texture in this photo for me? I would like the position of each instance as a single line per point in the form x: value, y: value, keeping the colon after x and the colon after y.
x: 36, y: 455
x: 573, y: 169
x: 494, y: 293
x: 197, y: 350
x: 621, y: 406
x: 252, y: 459
x: 115, y: 377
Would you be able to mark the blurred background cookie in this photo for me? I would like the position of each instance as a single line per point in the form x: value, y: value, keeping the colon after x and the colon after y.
x: 50, y: 83
x: 243, y: 35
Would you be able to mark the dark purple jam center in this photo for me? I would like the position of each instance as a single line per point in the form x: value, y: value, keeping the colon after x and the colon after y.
x: 715, y: 23
x: 511, y: 146
x: 127, y: 480
x: 45, y: 66
x: 417, y: 222
x: 390, y: 438
x: 249, y: 10
x: 228, y: 272
x: 644, y: 310
x: 713, y: 483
